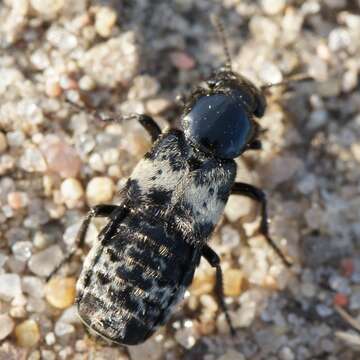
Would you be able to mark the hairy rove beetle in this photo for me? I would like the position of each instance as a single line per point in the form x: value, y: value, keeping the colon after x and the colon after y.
x: 146, y: 255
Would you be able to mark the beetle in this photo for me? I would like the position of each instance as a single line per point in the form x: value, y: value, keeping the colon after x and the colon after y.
x: 145, y: 257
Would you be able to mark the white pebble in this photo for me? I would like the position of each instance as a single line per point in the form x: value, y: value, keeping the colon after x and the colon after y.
x: 44, y: 262
x: 10, y: 286
x: 99, y: 190
x: 6, y: 326
x: 71, y: 191
x: 273, y: 7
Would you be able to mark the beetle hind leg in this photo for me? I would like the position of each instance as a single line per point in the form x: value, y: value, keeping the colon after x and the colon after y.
x: 256, y: 194
x: 214, y: 260
x: 97, y: 211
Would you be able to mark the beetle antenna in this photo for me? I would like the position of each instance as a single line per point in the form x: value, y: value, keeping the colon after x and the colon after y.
x: 223, y: 39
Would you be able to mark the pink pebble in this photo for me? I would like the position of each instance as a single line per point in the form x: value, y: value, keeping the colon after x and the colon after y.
x: 182, y: 60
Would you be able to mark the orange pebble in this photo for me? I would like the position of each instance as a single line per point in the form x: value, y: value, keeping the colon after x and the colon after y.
x: 340, y: 299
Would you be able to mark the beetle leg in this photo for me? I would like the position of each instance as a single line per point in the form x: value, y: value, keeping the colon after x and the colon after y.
x: 146, y: 121
x: 254, y: 193
x: 96, y: 211
x: 214, y: 260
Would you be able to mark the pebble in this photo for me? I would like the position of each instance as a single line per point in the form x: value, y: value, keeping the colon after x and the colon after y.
x: 15, y: 138
x: 99, y: 190
x: 286, y: 354
x: 182, y: 60
x: 63, y: 329
x: 50, y: 338
x: 144, y: 86
x: 96, y: 162
x: 230, y: 237
x: 3, y: 142
x: 324, y: 310
x: 72, y: 192
x: 114, y: 62
x: 32, y: 160
x: 27, y: 333
x: 273, y: 7
x: 232, y: 355
x: 61, y: 157
x: 10, y: 286
x: 22, y: 250
x: 33, y: 286
x: 233, y: 282
x: 105, y: 19
x: 18, y: 200
x: 157, y: 106
x: 60, y: 292
x: 6, y: 326
x: 47, y: 7
x: 45, y: 261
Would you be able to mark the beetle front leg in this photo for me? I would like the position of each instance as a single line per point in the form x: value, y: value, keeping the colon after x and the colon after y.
x: 97, y: 211
x: 146, y: 121
x: 213, y: 259
x: 254, y: 193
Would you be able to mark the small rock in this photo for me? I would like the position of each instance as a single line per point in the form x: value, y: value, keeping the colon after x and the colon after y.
x: 63, y: 329
x: 6, y: 326
x: 114, y: 62
x: 44, y: 262
x: 33, y: 286
x: 15, y: 138
x: 32, y: 160
x: 233, y: 282
x: 182, y: 60
x: 27, y: 333
x: 186, y: 337
x: 230, y: 237
x: 10, y: 286
x: 22, y: 250
x: 72, y: 192
x: 340, y: 299
x: 203, y: 283
x: 60, y: 292
x: 18, y: 200
x: 96, y: 162
x: 286, y: 354
x: 105, y: 19
x: 157, y: 106
x: 273, y: 7
x: 144, y: 86
x: 99, y: 190
x: 150, y: 350
x: 47, y: 7
x: 324, y: 310
x: 50, y: 338
x: 232, y: 355
x: 61, y: 157
x: 53, y: 88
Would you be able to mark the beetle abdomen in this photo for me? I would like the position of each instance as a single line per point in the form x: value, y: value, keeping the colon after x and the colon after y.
x: 134, y: 280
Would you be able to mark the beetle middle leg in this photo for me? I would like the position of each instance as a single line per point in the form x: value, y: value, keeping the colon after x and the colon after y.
x: 97, y: 211
x: 257, y: 194
x: 213, y: 259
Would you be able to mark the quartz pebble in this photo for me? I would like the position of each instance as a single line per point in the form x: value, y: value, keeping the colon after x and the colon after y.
x: 6, y: 326
x: 60, y: 292
x: 47, y: 7
x: 72, y: 192
x: 105, y: 20
x: 273, y: 7
x: 45, y: 261
x: 27, y: 333
x: 10, y: 286
x: 61, y: 157
x: 99, y: 190
x: 114, y: 62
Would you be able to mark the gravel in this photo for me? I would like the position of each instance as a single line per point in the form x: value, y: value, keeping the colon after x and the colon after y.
x: 57, y: 159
